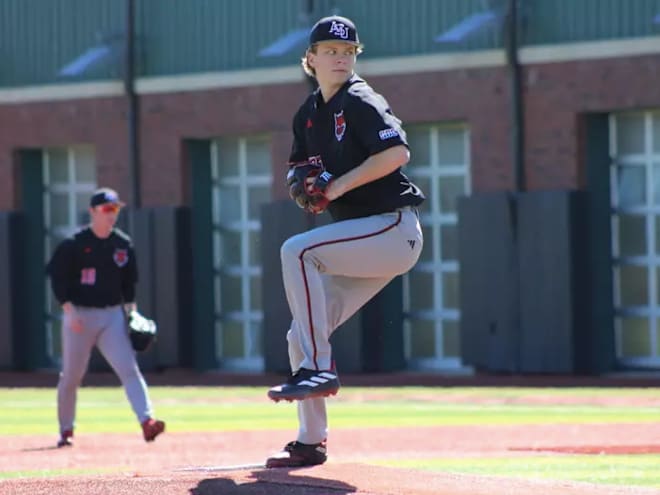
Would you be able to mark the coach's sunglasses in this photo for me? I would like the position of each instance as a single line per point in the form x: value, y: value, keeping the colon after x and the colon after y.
x: 110, y: 208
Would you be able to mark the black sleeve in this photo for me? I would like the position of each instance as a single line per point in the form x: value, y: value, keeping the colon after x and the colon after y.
x: 299, y: 147
x: 61, y: 270
x: 375, y: 126
x: 129, y: 277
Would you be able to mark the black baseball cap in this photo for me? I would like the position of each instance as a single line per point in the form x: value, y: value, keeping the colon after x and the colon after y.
x: 105, y: 195
x: 334, y: 28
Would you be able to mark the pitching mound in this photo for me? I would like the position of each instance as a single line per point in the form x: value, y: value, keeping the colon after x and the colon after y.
x: 205, y: 463
x: 330, y: 479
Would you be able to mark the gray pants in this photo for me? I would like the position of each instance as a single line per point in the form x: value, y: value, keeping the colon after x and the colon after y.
x: 105, y: 328
x: 329, y: 273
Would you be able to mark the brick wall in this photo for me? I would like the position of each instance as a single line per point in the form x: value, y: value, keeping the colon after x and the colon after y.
x: 556, y: 95
x: 37, y: 125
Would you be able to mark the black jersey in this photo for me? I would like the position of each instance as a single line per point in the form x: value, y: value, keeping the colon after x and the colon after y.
x: 341, y: 134
x: 89, y: 271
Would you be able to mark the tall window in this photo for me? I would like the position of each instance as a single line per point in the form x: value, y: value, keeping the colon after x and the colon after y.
x: 241, y: 173
x: 69, y: 181
x: 440, y: 163
x: 635, y: 186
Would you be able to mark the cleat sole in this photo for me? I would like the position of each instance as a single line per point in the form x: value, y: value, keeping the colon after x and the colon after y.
x: 330, y: 393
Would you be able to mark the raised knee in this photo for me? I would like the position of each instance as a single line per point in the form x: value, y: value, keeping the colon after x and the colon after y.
x: 290, y: 250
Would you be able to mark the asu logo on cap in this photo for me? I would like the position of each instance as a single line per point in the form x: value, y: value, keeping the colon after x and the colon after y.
x: 339, y: 29
x: 334, y: 28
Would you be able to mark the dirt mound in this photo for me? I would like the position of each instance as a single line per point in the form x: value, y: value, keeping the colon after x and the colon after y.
x: 330, y: 479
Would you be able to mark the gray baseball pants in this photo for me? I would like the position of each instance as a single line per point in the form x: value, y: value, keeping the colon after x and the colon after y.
x: 105, y: 328
x: 329, y: 273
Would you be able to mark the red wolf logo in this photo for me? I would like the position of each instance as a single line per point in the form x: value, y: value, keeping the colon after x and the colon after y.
x: 340, y: 125
x: 120, y: 257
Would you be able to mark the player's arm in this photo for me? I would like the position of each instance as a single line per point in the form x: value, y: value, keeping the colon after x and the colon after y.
x: 61, y: 272
x: 373, y: 168
x: 299, y: 166
x: 59, y: 269
x: 130, y: 307
x: 68, y: 308
x: 298, y: 152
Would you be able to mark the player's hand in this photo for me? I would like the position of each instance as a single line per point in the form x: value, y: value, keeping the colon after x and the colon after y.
x: 74, y: 320
x: 317, y: 188
x: 297, y: 180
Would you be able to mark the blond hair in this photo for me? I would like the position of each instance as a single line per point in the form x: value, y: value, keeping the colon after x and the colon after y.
x: 309, y: 70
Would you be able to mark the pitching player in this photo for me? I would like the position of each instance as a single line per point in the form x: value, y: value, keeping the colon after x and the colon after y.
x: 93, y: 276
x: 348, y: 150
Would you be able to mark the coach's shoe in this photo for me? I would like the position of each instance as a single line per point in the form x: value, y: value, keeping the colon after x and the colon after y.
x: 306, y: 384
x: 296, y: 454
x: 151, y: 428
x: 66, y: 439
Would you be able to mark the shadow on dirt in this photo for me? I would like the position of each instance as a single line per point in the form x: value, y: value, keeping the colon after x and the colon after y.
x: 38, y: 449
x: 273, y: 482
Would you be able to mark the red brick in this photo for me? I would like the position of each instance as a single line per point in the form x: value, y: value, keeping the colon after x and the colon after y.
x: 555, y: 96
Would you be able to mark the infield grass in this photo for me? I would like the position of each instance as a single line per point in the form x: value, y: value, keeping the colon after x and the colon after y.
x: 217, y: 409
x: 32, y: 411
x: 625, y: 470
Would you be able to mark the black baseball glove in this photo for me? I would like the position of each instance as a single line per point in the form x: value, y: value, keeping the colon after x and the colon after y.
x: 141, y: 331
x: 307, y: 185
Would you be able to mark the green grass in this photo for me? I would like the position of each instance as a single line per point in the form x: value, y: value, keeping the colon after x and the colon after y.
x: 32, y: 411
x: 218, y: 409
x: 51, y: 473
x: 632, y: 470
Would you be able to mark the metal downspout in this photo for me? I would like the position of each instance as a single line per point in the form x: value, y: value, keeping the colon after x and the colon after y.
x: 133, y: 123
x: 517, y: 102
x: 518, y: 156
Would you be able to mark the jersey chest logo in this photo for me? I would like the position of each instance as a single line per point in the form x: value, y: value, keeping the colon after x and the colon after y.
x: 340, y: 125
x: 120, y: 256
x: 88, y: 276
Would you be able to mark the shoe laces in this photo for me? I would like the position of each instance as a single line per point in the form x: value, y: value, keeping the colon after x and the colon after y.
x: 290, y: 446
x: 294, y: 377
